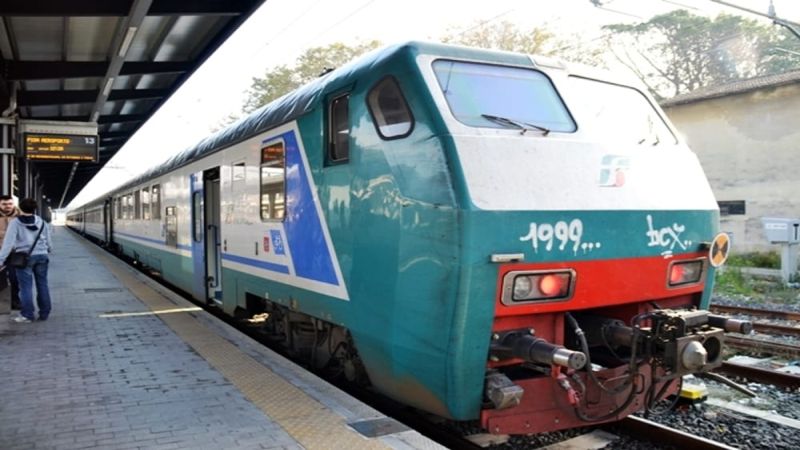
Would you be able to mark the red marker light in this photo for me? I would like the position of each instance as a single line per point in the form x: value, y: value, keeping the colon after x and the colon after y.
x: 676, y: 274
x: 553, y: 285
x: 685, y: 272
x: 540, y: 285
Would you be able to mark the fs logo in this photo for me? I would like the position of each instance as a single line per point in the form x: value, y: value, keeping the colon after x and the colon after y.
x: 277, y: 242
x: 612, y: 170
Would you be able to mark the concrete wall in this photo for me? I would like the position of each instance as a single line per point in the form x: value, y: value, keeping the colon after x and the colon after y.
x: 749, y: 146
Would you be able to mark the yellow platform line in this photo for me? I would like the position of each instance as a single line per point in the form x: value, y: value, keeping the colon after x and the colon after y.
x: 308, y: 421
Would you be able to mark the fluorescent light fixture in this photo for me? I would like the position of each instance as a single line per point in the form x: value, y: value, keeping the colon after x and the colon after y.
x: 126, y: 43
x: 107, y: 88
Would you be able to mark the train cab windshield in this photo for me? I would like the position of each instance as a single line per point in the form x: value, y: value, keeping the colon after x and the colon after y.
x: 489, y: 96
x: 616, y: 113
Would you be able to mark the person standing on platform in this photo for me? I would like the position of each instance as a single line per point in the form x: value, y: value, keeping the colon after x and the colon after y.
x: 7, y: 213
x: 30, y: 234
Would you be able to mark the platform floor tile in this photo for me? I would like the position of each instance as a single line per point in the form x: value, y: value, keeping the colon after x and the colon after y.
x: 120, y: 365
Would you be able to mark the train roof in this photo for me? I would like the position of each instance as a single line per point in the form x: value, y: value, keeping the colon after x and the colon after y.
x: 304, y: 99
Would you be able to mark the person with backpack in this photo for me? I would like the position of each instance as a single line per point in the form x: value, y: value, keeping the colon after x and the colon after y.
x: 29, y: 238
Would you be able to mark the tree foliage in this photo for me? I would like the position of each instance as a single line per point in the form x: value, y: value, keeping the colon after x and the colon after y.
x: 534, y: 41
x: 679, y: 52
x: 282, y: 79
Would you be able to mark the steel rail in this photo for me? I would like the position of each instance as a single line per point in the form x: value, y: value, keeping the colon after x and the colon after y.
x: 760, y: 375
x: 655, y: 432
x: 774, y: 329
x: 762, y: 346
x: 756, y: 312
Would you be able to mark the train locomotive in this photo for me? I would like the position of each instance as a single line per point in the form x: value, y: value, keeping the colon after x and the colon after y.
x: 486, y: 236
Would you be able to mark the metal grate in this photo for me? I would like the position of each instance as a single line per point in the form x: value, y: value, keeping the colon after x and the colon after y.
x: 378, y: 427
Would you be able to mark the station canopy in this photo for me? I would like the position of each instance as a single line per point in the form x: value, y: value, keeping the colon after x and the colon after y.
x: 113, y: 62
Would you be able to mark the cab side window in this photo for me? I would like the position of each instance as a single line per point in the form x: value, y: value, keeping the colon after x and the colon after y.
x: 389, y: 110
x: 339, y: 129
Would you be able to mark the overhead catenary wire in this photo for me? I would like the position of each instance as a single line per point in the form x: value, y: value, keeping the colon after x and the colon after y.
x: 286, y: 27
x: 339, y: 22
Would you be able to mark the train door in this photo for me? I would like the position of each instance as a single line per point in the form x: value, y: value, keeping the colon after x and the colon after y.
x: 108, y: 210
x: 112, y: 214
x: 205, y: 213
x: 213, y: 251
x: 198, y: 236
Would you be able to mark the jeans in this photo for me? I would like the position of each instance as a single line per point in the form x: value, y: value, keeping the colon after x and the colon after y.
x: 36, y: 269
x: 14, y: 285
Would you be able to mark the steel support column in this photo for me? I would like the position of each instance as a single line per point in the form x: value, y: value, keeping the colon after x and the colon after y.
x: 7, y: 154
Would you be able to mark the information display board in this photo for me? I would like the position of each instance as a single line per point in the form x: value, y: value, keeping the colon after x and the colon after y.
x: 60, y: 147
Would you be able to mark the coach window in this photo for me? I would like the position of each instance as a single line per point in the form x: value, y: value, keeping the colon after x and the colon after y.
x: 389, y: 110
x: 339, y: 130
x: 125, y: 207
x: 137, y: 205
x: 155, y: 202
x: 172, y: 226
x: 146, y: 203
x: 197, y: 216
x: 273, y: 181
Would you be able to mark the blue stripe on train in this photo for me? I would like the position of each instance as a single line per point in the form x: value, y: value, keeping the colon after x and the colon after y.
x: 303, y: 226
x: 146, y: 239
x: 280, y: 268
x: 256, y: 263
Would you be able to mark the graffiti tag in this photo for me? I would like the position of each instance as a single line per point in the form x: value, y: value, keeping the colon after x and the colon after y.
x: 560, y: 234
x: 666, y: 237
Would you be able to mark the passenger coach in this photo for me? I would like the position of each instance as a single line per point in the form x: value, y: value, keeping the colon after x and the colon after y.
x: 478, y: 234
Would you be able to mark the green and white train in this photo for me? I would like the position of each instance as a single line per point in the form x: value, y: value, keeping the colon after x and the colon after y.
x: 479, y: 234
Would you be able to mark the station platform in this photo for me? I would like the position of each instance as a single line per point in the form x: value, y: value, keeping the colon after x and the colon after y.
x: 123, y: 363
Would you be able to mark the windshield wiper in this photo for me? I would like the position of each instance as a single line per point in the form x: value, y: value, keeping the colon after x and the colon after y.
x: 656, y: 141
x: 523, y: 126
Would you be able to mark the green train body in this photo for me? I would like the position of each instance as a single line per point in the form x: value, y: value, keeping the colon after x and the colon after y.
x: 431, y: 219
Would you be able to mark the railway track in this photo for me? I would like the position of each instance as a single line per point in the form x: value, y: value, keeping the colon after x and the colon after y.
x: 781, y: 330
x: 756, y: 312
x: 761, y: 375
x: 762, y: 346
x: 764, y: 327
x: 654, y: 432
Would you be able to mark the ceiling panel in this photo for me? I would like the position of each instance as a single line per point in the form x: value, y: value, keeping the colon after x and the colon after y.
x: 60, y: 54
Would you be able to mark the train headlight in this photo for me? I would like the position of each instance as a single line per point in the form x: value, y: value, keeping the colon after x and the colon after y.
x: 523, y: 287
x: 537, y: 286
x: 685, y: 272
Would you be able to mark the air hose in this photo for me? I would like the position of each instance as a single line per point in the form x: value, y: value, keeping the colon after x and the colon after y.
x: 633, y: 370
